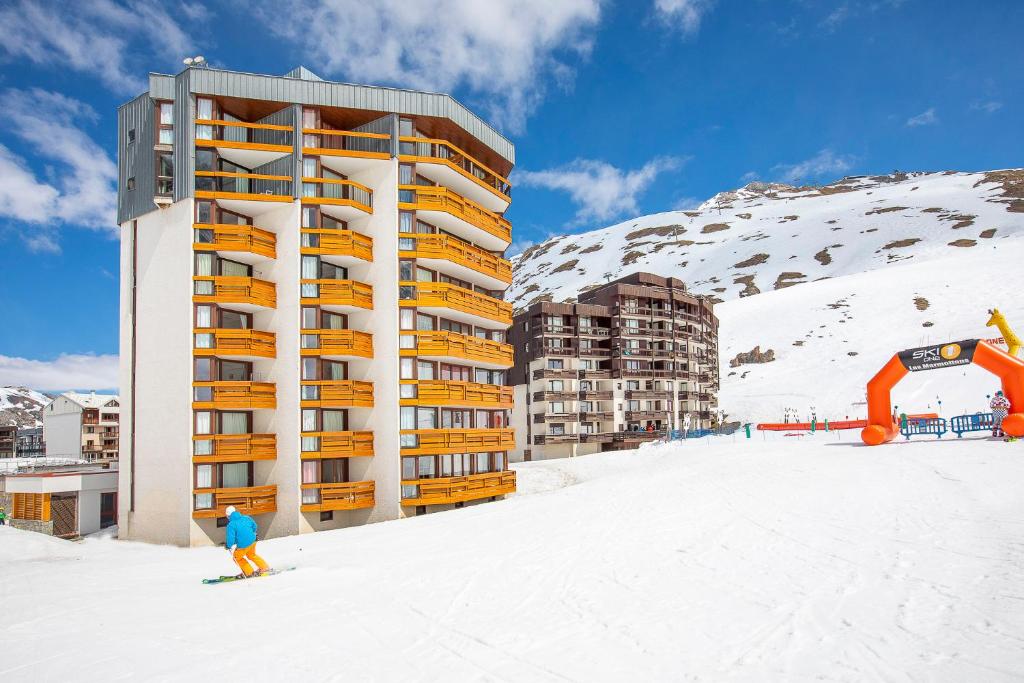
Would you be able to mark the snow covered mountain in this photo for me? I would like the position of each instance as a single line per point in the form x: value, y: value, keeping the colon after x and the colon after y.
x: 22, y: 406
x: 883, y: 263
x: 765, y: 237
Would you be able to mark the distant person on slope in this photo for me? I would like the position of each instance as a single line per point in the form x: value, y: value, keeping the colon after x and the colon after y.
x: 3, y: 517
x: 241, y: 542
x: 1000, y: 407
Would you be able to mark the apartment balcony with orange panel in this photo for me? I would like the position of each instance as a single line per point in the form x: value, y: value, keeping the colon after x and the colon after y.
x: 451, y: 301
x: 233, y: 343
x: 441, y: 441
x: 440, y: 392
x: 446, y: 164
x: 234, y: 447
x: 234, y: 395
x: 245, y: 293
x: 248, y: 188
x: 457, y: 259
x: 243, y: 143
x: 339, y: 295
x: 447, y: 490
x: 340, y: 247
x: 252, y: 243
x: 353, y: 495
x: 250, y: 500
x: 339, y: 344
x: 454, y: 213
x: 319, y: 445
x: 346, y: 151
x: 337, y: 393
x: 345, y: 200
x: 452, y: 347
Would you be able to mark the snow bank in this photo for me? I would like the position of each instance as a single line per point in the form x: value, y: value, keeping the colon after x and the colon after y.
x: 722, y: 559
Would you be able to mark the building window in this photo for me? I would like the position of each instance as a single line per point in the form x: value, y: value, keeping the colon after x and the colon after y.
x: 556, y: 364
x: 165, y: 173
x: 556, y: 429
x: 131, y: 135
x: 131, y: 183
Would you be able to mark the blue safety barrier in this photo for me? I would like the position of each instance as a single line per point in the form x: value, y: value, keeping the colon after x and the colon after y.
x: 931, y: 425
x: 979, y: 422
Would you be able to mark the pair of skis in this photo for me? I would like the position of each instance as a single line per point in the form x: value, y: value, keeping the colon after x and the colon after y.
x: 229, y: 579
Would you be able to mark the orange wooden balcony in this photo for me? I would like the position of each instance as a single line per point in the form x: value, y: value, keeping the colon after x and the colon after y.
x: 447, y: 490
x: 443, y: 205
x: 252, y: 187
x: 440, y: 392
x: 338, y: 445
x: 234, y: 395
x: 444, y: 248
x: 349, y: 143
x: 337, y: 343
x: 225, y: 342
x: 441, y: 441
x: 337, y: 393
x: 261, y: 137
x: 336, y: 192
x: 339, y: 293
x: 243, y: 238
x: 353, y: 495
x: 455, y: 346
x: 237, y: 447
x: 442, y: 295
x: 470, y: 177
x: 231, y: 289
x: 337, y: 243
x: 250, y: 500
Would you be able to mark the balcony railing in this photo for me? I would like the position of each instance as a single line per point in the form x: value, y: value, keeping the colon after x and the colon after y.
x: 337, y: 343
x: 439, y: 392
x: 251, y: 186
x: 233, y: 395
x: 346, y: 143
x: 233, y: 447
x: 647, y: 414
x: 337, y: 243
x: 245, y: 238
x: 340, y: 192
x: 225, y: 342
x: 455, y: 345
x: 340, y: 393
x: 551, y: 439
x: 546, y: 373
x: 243, y: 135
x: 445, y: 295
x: 440, y: 441
x: 642, y: 435
x: 601, y: 437
x: 641, y: 394
x: 586, y: 395
x: 337, y: 293
x: 449, y: 490
x: 317, y: 445
x: 453, y: 250
x: 353, y: 495
x: 441, y: 151
x: 231, y: 289
x: 438, y: 198
x: 602, y: 416
x: 556, y: 396
x: 541, y: 418
x: 250, y: 500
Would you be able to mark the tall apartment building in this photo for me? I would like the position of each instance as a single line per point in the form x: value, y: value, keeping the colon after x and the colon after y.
x: 312, y: 327
x: 82, y: 426
x: 8, y: 440
x: 625, y: 364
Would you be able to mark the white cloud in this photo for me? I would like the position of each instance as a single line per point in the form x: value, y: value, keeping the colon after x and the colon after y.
x: 925, y: 118
x: 600, y: 191
x: 518, y: 247
x: 96, y: 37
x: 502, y: 53
x: 824, y: 163
x: 686, y: 204
x: 67, y: 371
x: 989, y: 107
x: 749, y: 177
x: 79, y: 190
x: 836, y: 17
x: 682, y: 14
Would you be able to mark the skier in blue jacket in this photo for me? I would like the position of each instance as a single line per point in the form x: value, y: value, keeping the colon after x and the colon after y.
x: 241, y: 543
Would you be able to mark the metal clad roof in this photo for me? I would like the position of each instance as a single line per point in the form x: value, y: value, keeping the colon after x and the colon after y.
x: 326, y: 93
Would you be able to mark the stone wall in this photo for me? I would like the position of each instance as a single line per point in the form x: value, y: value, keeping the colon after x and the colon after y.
x: 32, y: 525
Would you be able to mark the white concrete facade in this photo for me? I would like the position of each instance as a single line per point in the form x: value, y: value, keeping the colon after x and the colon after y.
x: 88, y: 486
x: 78, y: 425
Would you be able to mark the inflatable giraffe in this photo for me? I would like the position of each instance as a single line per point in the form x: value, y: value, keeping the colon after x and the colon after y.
x: 1013, y: 342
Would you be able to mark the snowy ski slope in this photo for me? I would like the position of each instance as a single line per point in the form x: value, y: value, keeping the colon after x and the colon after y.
x: 736, y: 560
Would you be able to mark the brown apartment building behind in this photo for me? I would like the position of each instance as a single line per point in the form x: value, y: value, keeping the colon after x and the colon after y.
x: 629, y: 362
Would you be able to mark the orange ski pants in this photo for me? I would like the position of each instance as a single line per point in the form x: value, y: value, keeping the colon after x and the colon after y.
x: 242, y: 557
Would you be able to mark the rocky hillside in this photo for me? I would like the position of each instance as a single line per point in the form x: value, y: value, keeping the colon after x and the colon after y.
x: 765, y: 237
x: 22, y: 407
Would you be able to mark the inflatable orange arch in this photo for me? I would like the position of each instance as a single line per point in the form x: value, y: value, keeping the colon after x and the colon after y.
x: 881, y: 425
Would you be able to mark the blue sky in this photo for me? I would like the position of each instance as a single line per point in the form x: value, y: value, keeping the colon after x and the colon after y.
x: 616, y: 109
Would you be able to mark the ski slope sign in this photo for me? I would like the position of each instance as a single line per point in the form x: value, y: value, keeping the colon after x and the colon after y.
x: 939, y: 355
